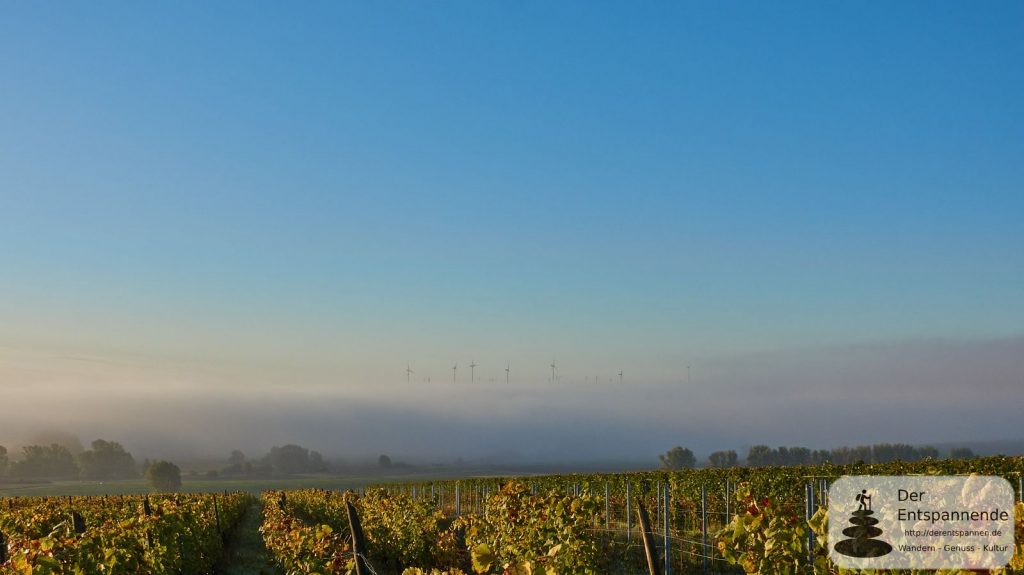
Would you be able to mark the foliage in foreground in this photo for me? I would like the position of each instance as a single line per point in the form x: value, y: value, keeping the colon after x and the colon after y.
x: 524, y: 533
x: 169, y: 534
x: 763, y: 538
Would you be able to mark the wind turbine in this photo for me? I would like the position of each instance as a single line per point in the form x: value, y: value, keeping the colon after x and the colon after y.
x: 687, y: 375
x: 508, y: 368
x: 454, y: 367
x: 408, y: 373
x: 472, y: 372
x: 620, y: 377
x: 553, y: 368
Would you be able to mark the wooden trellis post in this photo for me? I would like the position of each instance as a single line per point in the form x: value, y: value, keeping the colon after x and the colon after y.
x: 77, y: 522
x: 650, y: 548
x: 358, y: 543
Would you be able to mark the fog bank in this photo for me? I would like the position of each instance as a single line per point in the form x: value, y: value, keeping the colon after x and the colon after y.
x: 928, y: 391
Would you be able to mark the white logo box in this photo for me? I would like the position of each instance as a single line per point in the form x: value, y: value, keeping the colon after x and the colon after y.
x: 921, y: 522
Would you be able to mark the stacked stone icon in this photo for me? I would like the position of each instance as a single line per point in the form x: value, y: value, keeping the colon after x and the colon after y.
x: 862, y: 534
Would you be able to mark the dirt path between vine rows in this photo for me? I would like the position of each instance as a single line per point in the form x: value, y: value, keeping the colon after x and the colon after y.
x: 245, y: 553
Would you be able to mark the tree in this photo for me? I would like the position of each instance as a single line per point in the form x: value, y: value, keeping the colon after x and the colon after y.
x: 723, y: 459
x: 906, y: 452
x: 861, y: 453
x: 883, y: 453
x: 236, y: 458
x: 677, y: 458
x: 106, y: 460
x: 63, y: 438
x: 841, y: 455
x: 384, y: 461
x: 3, y: 459
x: 961, y: 453
x: 799, y: 456
x: 45, y: 461
x: 163, y: 476
x: 820, y: 456
x: 290, y: 459
x: 759, y: 456
x: 237, y: 464
x: 316, y: 461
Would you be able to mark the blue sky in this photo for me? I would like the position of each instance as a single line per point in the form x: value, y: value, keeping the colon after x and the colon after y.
x: 346, y: 187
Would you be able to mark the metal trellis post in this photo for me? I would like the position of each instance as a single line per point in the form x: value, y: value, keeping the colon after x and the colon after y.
x: 657, y: 506
x: 668, y: 541
x: 809, y: 493
x: 607, y: 508
x: 629, y: 519
x: 728, y: 502
x: 704, y: 525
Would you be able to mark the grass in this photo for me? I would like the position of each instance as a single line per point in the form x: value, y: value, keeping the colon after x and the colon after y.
x: 245, y: 553
x: 200, y: 484
x: 188, y: 485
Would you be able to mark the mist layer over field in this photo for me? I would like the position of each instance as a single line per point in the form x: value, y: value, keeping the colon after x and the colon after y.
x: 914, y: 392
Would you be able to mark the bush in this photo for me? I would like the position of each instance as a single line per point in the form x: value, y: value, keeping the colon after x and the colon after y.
x: 164, y: 476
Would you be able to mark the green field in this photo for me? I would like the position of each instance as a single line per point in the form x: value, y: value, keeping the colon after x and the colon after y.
x: 192, y: 484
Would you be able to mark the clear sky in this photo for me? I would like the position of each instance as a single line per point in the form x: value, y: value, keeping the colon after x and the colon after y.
x: 319, y: 193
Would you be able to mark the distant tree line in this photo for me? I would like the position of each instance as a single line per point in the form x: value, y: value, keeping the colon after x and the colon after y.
x: 962, y: 453
x: 763, y: 456
x: 723, y: 459
x: 281, y: 460
x: 385, y: 462
x: 106, y: 460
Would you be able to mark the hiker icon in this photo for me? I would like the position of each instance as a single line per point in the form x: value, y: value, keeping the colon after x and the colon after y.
x: 862, y: 542
x: 865, y: 500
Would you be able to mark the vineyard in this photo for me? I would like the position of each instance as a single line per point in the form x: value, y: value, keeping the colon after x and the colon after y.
x: 180, y: 534
x: 739, y: 520
x: 735, y: 520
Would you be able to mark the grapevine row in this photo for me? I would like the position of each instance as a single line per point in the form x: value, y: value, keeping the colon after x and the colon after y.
x: 153, y: 535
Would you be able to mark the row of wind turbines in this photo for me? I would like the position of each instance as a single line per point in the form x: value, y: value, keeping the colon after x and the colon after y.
x: 508, y: 373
